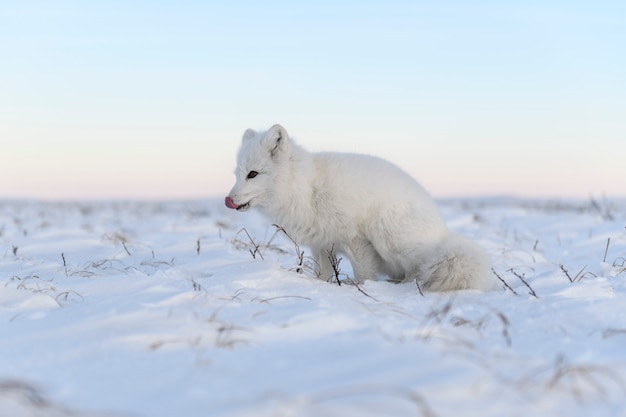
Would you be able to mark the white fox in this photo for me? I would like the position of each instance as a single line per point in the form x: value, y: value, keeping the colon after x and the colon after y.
x: 360, y: 206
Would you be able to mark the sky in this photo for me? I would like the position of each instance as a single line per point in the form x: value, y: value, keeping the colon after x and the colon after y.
x: 149, y: 99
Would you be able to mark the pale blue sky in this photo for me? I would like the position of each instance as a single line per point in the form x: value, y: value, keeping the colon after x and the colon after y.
x: 149, y: 99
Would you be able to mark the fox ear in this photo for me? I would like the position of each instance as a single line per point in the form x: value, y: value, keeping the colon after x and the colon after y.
x: 276, y: 141
x: 248, y: 134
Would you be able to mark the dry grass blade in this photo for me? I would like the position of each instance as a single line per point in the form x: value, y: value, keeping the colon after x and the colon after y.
x: 419, y: 289
x: 254, y: 245
x: 584, y: 380
x: 279, y: 297
x: 334, y: 262
x: 33, y: 283
x: 358, y: 287
x: 606, y: 250
x: 605, y: 213
x: 28, y: 392
x: 611, y: 332
x: 370, y: 392
x: 66, y: 295
x: 521, y: 278
x: 579, y: 276
x: 566, y: 272
x: 125, y: 248
x: 299, y: 253
x: 482, y: 322
x: 503, y: 282
x: 64, y: 264
x: 435, y: 317
x: 505, y: 326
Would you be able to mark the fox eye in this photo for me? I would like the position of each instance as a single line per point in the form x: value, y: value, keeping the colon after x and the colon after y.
x: 252, y: 174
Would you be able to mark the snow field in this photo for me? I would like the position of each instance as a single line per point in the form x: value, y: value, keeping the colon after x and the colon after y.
x: 173, y: 308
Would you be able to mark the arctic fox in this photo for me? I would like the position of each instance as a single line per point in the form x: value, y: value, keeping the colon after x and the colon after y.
x: 360, y: 206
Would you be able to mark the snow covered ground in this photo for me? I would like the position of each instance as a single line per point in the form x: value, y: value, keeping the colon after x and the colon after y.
x: 174, y: 309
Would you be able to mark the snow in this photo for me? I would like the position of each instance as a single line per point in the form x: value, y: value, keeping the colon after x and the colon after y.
x: 188, y: 309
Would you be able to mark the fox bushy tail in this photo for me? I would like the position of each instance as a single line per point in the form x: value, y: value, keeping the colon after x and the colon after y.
x: 457, y: 263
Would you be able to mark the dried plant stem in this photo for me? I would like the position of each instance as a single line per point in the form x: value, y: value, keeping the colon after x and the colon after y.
x: 521, y: 278
x: 64, y: 264
x: 419, y: 289
x: 256, y: 247
x: 299, y: 253
x: 503, y: 281
x: 579, y: 276
x: 334, y: 262
x: 125, y: 248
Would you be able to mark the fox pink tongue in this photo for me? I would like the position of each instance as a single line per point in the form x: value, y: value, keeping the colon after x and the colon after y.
x: 230, y: 203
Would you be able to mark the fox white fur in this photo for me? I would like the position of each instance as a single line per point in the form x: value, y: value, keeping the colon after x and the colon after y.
x: 361, y: 206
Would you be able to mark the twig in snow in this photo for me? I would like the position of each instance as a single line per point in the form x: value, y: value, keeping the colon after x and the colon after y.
x: 610, y: 332
x: 419, y: 289
x: 256, y: 247
x: 29, y: 393
x: 566, y: 273
x: 299, y: 253
x: 125, y: 248
x: 505, y: 326
x: 605, y: 213
x: 606, y: 251
x: 503, y: 281
x: 618, y: 265
x: 370, y: 391
x: 267, y: 300
x: 358, y: 287
x: 521, y: 278
x: 64, y: 264
x: 334, y: 262
x: 582, y: 378
x: 196, y: 286
x: 66, y: 294
x: 579, y: 276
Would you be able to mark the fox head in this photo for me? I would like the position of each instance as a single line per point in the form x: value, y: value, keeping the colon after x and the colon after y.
x: 258, y: 164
